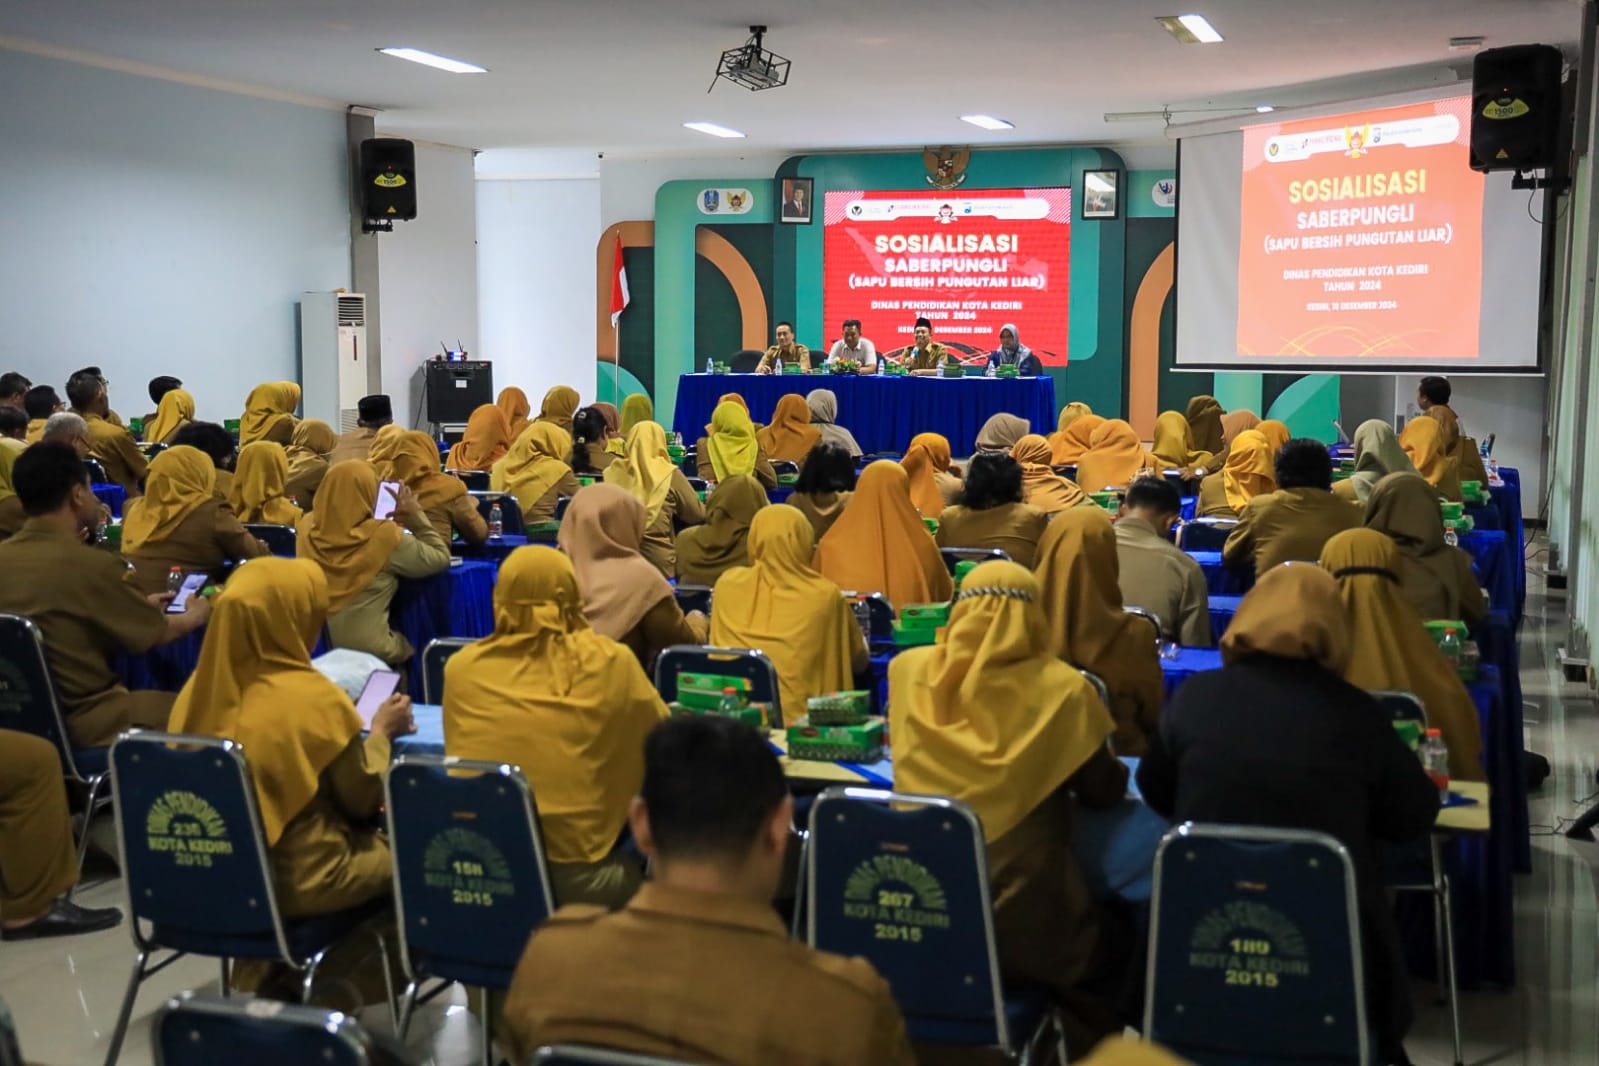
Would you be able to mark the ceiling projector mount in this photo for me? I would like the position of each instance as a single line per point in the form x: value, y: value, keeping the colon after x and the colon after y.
x: 751, y: 65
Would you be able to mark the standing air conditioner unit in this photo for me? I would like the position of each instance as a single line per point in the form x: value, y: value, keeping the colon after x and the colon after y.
x: 333, y: 356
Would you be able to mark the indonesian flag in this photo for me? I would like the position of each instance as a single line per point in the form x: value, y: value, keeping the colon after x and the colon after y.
x: 619, y: 295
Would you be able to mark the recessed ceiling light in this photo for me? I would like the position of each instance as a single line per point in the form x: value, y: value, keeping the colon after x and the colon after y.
x: 988, y: 122
x: 713, y: 129
x: 1190, y: 29
x: 438, y: 62
x: 1264, y: 109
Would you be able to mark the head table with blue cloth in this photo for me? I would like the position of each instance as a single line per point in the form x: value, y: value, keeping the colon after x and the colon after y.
x: 883, y: 412
x: 113, y: 496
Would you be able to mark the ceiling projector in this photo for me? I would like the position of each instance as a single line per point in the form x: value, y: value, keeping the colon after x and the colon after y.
x: 752, y: 66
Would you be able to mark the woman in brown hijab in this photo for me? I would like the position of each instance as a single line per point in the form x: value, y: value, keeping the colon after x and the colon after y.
x: 879, y: 543
x: 624, y: 595
x: 790, y: 436
x: 1042, y: 488
x: 1079, y: 573
x: 1069, y: 414
x: 1174, y: 447
x: 535, y: 471
x: 1001, y: 432
x: 313, y: 441
x: 1234, y: 423
x: 1392, y: 649
x: 485, y: 442
x: 704, y: 552
x: 1115, y: 456
x: 415, y: 463
x: 560, y: 404
x: 1204, y: 422
x: 926, y: 464
x: 1075, y: 440
x: 1435, y: 577
x: 513, y: 404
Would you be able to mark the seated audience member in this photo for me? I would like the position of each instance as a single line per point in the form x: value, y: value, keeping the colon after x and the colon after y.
x: 854, y: 346
x: 442, y: 497
x: 11, y: 513
x: 1434, y: 576
x: 560, y: 403
x: 260, y: 486
x: 40, y: 403
x: 13, y: 389
x: 1230, y: 750
x: 364, y: 558
x: 484, y: 442
x: 705, y: 552
x: 1204, y: 419
x: 314, y: 440
x: 1433, y: 397
x: 67, y: 428
x: 95, y: 372
x: 636, y: 408
x: 269, y: 413
x: 1068, y: 446
x: 781, y: 605
x: 789, y: 437
x: 13, y: 428
x: 613, y: 424
x: 1423, y: 442
x: 1293, y: 523
x: 624, y: 595
x: 571, y: 708
x: 173, y: 411
x: 1012, y: 352
x: 318, y: 781
x: 373, y: 414
x: 591, y: 439
x: 36, y: 846
x: 786, y: 349
x: 535, y: 471
x: 1276, y: 434
x: 1234, y: 423
x: 730, y: 446
x: 1154, y: 573
x: 1068, y: 415
x: 1079, y: 572
x: 179, y: 524
x: 714, y: 818
x: 1173, y: 447
x: 77, y: 597
x: 516, y: 407
x: 108, y: 442
x: 1377, y: 454
x: 670, y: 502
x: 1392, y: 649
x: 927, y: 466
x: 217, y: 443
x: 1042, y: 488
x: 1114, y: 457
x: 989, y: 717
x: 1247, y: 472
x: 990, y: 512
x: 1000, y: 433
x: 158, y: 388
x: 826, y: 483
x: 880, y: 544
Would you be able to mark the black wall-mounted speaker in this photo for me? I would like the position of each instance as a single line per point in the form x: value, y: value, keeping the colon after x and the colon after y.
x: 1515, y: 107
x: 387, y: 179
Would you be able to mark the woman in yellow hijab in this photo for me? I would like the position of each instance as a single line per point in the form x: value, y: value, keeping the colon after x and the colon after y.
x: 571, y: 708
x: 1174, y: 446
x: 705, y: 552
x: 1247, y: 472
x: 260, y: 481
x: 880, y: 544
x: 1069, y: 414
x: 926, y: 464
x: 1114, y: 457
x: 789, y: 437
x: 175, y: 411
x: 1423, y: 441
x: 313, y: 441
x: 381, y: 452
x: 560, y: 404
x: 1276, y: 434
x: 179, y: 522
x: 1392, y: 649
x: 318, y: 783
x: 269, y: 413
x: 729, y: 446
x: 990, y: 717
x: 1204, y: 421
x: 414, y: 462
x: 647, y: 472
x: 486, y: 440
x: 1042, y: 488
x: 11, y: 513
x: 1075, y: 440
x: 515, y: 406
x: 1079, y: 573
x: 781, y: 605
x: 635, y: 409
x: 535, y: 471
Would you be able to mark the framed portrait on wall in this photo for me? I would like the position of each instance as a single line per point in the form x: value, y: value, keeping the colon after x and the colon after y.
x: 1102, y: 194
x: 796, y: 201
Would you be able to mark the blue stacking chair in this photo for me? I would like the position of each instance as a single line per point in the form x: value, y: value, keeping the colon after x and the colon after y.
x: 1066, y: 470
x: 953, y: 557
x: 691, y: 462
x: 882, y: 617
x: 1149, y: 616
x: 1255, y: 953
x: 470, y: 881
x: 698, y: 484
x: 575, y: 1055
x: 730, y: 662
x: 922, y: 857
x: 280, y: 540
x: 97, y: 474
x: 693, y: 597
x: 434, y: 656
x: 29, y: 704
x: 196, y: 866
x: 204, y: 1031
x: 1100, y: 688
x: 785, y: 466
x: 1205, y: 534
x: 476, y: 480
x: 510, y: 510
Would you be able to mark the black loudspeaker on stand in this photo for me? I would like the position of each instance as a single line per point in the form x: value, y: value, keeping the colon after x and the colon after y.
x: 387, y: 182
x: 455, y: 390
x: 1515, y: 108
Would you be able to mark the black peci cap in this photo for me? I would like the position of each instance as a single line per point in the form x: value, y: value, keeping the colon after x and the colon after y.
x: 376, y: 408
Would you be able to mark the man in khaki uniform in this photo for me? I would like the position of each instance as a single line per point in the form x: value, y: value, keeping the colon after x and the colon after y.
x: 926, y: 356
x: 40, y: 403
x: 372, y: 414
x: 792, y: 354
x: 1153, y: 573
x: 108, y: 442
x: 1293, y: 523
x: 698, y: 966
x: 77, y: 596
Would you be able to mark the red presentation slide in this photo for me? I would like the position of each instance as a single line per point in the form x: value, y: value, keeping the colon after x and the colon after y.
x: 968, y: 262
x: 1361, y: 235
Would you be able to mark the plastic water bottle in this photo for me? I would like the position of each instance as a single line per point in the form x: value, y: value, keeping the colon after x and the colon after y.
x: 1435, y: 759
x: 496, y: 521
x: 1451, y: 538
x: 730, y: 704
x: 779, y: 362
x: 99, y: 529
x: 863, y: 618
x: 175, y: 579
x: 1451, y: 648
x: 710, y: 364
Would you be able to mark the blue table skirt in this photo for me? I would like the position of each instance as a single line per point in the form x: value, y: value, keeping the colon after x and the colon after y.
x: 883, y: 413
x: 1219, y: 580
x: 1222, y: 609
x: 168, y: 667
x: 113, y: 496
x: 1494, y: 562
x: 1190, y: 505
x: 1507, y: 499
x: 492, y: 551
x: 456, y: 603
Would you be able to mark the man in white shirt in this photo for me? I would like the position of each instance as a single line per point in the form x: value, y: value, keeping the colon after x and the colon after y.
x: 854, y: 346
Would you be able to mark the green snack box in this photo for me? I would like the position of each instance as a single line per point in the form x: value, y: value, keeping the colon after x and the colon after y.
x: 1436, y: 627
x: 962, y: 568
x: 703, y: 495
x: 675, y: 452
x: 924, y: 615
x: 1452, y: 510
x: 1110, y: 501
x: 931, y: 524
x: 1342, y: 475
x: 1347, y: 464
x: 1410, y: 733
x: 542, y: 532
x: 113, y: 536
x: 704, y: 691
x: 232, y: 426
x: 793, y: 368
x: 136, y: 426
x: 894, y: 370
x: 850, y: 707
x: 585, y: 481
x: 913, y: 636
x: 861, y: 743
x: 954, y: 371
x: 1461, y: 525
x: 1006, y: 371
x: 751, y: 714
x: 788, y: 479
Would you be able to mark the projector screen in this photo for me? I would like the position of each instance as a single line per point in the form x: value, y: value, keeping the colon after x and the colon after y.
x: 1354, y: 242
x: 968, y: 261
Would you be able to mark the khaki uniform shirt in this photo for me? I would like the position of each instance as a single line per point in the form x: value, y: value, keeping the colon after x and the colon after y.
x: 1013, y: 528
x: 1213, y: 498
x: 822, y: 509
x: 205, y: 541
x: 542, y: 509
x: 682, y: 508
x: 124, y: 463
x: 329, y: 858
x: 1289, y: 525
x: 662, y: 626
x: 11, y: 516
x: 934, y: 357
x: 35, y: 430
x: 702, y: 978
x: 356, y: 444
x: 302, y: 489
x: 460, y: 514
x: 797, y: 353
x: 364, y: 622
x: 1158, y: 577
x: 703, y: 467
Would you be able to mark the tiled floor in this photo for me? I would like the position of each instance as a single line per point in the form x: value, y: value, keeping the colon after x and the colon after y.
x: 64, y: 994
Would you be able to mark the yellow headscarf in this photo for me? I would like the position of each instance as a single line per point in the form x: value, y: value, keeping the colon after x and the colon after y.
x: 1276, y: 434
x: 8, y: 459
x: 560, y: 404
x: 1174, y: 445
x: 515, y: 406
x: 415, y: 462
x: 781, y: 605
x: 1114, y: 457
x: 1069, y: 414
x: 1075, y: 441
x: 180, y: 480
x: 732, y: 440
x: 548, y: 694
x: 268, y: 405
x: 879, y: 543
x: 635, y: 409
x: 988, y: 716
x: 381, y: 453
x: 486, y: 440
x: 1391, y: 647
x: 534, y: 464
x: 313, y: 441
x: 175, y: 410
x: 342, y: 537
x: 1423, y: 441
x: 645, y: 469
x: 789, y: 436
x: 1041, y: 486
x: 1204, y: 419
x: 255, y: 685
x: 1249, y: 470
x: 1293, y: 612
x: 927, y: 456
x: 258, y: 483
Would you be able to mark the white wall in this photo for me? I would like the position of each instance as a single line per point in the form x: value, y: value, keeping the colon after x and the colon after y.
x: 428, y: 271
x: 627, y: 186
x: 157, y: 228
x: 1512, y: 409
